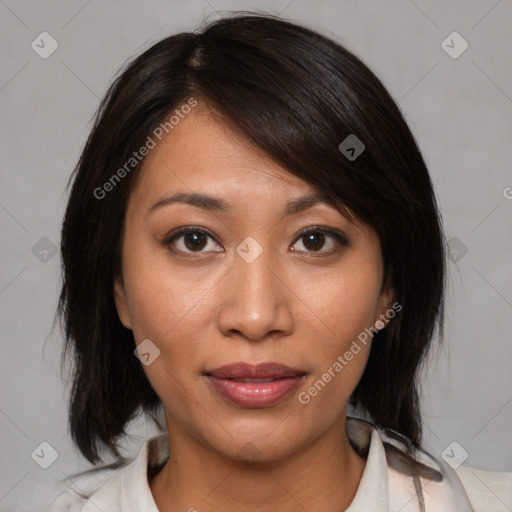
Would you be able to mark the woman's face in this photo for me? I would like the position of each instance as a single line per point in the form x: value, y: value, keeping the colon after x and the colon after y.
x: 244, y: 284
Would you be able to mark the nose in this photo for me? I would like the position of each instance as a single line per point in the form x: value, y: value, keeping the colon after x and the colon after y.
x: 256, y: 300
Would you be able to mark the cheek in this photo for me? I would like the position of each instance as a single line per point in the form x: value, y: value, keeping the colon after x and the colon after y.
x: 171, y: 307
x: 344, y: 306
x: 160, y: 296
x: 345, y: 309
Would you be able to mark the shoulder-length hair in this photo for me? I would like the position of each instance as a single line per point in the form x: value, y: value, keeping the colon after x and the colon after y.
x: 297, y: 95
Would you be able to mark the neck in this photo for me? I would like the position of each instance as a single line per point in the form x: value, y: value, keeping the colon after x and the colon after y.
x: 322, y: 476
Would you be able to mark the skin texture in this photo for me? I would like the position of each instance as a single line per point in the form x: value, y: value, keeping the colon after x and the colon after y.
x: 298, y: 303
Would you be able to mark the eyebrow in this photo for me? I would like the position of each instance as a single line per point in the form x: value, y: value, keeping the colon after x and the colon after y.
x: 211, y: 203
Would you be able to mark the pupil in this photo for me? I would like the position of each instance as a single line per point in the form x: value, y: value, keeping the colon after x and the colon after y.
x: 314, y: 238
x: 197, y: 239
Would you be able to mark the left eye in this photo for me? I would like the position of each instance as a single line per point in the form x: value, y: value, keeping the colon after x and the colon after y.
x: 314, y: 240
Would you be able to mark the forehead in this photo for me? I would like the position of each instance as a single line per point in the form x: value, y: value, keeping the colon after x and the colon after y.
x: 203, y: 154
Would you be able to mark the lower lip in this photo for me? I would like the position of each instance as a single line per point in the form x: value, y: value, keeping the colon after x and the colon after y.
x: 255, y: 394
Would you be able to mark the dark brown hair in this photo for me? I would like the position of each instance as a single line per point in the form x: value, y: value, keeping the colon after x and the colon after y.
x: 297, y: 95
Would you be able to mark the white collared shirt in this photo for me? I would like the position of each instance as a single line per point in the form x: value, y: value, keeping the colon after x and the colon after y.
x: 383, y: 487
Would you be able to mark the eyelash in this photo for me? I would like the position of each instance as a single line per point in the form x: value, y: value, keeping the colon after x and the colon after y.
x: 338, y: 236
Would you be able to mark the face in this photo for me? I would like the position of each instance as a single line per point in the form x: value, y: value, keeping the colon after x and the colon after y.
x: 240, y: 278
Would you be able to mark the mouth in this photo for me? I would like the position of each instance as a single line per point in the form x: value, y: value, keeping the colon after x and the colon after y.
x: 254, y: 386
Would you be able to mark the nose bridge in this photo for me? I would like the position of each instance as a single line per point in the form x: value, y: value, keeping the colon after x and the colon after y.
x: 256, y: 300
x: 256, y: 277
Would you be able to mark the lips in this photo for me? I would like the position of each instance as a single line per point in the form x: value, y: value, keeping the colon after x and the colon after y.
x: 254, y: 386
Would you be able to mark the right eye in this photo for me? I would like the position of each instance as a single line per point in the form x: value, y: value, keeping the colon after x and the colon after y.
x: 190, y: 239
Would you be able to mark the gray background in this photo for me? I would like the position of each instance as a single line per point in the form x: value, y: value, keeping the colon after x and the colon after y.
x: 460, y: 110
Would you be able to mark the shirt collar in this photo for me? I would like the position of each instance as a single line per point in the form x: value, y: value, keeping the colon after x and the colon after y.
x: 372, y: 493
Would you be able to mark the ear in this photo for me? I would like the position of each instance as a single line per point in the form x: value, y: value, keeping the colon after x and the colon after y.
x: 386, y: 310
x: 120, y: 300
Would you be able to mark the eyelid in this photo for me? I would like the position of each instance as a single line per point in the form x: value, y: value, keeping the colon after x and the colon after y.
x: 188, y: 229
x: 337, y: 234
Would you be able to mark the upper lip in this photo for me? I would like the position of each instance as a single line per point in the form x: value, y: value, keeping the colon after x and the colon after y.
x: 241, y: 370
